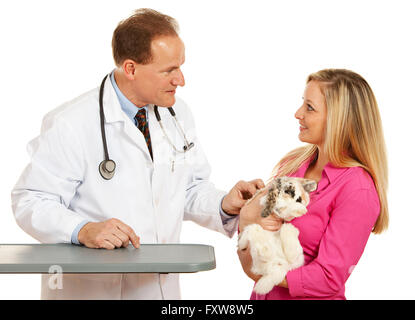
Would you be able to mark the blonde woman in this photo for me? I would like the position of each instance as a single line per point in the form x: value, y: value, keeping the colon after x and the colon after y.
x: 345, y: 153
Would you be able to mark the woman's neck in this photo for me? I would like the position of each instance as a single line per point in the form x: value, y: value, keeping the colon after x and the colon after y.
x: 316, y: 167
x: 322, y: 160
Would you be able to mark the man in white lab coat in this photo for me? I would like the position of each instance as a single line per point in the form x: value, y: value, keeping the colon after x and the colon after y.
x: 61, y: 197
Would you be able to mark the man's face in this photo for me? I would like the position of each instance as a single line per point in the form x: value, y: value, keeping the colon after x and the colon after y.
x: 156, y: 82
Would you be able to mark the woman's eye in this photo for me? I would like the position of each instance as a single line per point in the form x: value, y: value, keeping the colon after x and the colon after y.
x: 310, y: 108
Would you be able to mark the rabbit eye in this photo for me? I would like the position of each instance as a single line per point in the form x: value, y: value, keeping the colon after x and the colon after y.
x: 290, y: 191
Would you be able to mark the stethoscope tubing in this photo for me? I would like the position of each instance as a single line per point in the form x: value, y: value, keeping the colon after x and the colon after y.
x: 107, y: 166
x: 187, y: 145
x: 102, y: 118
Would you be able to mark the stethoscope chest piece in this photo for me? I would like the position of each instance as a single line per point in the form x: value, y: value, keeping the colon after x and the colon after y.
x: 107, y: 169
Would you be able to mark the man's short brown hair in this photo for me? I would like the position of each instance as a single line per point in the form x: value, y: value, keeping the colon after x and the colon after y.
x: 133, y: 36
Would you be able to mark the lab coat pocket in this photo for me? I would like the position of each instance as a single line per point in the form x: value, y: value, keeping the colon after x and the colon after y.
x: 179, y: 176
x: 179, y: 162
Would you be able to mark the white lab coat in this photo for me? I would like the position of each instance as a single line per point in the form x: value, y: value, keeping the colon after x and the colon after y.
x: 62, y: 186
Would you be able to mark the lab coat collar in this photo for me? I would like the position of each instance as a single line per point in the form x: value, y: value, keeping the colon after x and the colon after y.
x: 112, y: 107
x: 113, y: 113
x: 127, y: 106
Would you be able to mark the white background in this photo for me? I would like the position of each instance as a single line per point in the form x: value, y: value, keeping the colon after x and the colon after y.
x: 245, y: 71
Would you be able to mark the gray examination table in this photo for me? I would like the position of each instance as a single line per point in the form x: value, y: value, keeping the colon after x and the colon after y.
x: 158, y: 258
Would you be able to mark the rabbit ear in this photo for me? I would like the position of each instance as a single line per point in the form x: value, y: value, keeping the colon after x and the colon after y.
x: 271, y: 198
x: 278, y: 182
x: 309, y: 185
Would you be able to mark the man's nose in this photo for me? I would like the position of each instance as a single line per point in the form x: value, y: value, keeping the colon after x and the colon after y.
x: 178, y: 80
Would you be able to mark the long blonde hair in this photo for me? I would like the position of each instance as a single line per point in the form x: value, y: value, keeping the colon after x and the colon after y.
x: 354, y: 135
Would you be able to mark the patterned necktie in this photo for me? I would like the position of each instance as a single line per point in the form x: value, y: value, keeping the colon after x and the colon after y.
x: 142, y: 124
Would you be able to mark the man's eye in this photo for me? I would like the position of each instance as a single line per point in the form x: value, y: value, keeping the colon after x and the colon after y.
x: 310, y: 108
x: 171, y: 70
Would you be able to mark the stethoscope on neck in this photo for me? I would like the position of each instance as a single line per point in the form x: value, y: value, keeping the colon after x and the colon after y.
x: 107, y: 166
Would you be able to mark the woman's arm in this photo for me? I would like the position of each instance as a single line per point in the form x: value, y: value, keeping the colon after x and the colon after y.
x: 351, y: 222
x: 284, y: 283
x: 251, y: 213
x: 246, y: 263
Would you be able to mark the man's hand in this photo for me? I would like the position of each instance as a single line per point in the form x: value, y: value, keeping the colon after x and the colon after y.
x: 108, y: 234
x: 251, y: 213
x: 239, y: 194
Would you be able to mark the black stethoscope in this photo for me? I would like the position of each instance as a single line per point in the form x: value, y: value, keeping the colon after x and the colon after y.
x: 107, y: 166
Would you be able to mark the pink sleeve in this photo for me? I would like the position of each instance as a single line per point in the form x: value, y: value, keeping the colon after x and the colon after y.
x: 350, y: 225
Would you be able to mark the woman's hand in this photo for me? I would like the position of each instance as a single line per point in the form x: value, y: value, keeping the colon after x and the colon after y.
x: 251, y: 213
x: 246, y: 263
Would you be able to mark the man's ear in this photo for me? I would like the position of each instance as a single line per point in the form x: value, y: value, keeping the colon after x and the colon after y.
x: 128, y: 68
x: 309, y: 185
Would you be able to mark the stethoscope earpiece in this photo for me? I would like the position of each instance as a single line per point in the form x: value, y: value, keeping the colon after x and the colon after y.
x: 107, y: 169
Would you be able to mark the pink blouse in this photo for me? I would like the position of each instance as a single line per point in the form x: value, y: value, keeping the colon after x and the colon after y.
x: 333, y: 234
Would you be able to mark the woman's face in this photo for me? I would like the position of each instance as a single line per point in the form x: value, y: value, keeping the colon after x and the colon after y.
x: 312, y: 115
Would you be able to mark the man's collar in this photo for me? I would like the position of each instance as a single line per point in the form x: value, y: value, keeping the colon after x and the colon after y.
x: 126, y: 105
